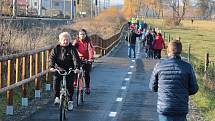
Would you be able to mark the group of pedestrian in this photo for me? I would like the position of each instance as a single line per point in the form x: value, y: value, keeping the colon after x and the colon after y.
x: 172, y: 78
x: 148, y: 38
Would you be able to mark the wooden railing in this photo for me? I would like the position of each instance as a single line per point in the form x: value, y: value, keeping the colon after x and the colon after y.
x: 19, y: 69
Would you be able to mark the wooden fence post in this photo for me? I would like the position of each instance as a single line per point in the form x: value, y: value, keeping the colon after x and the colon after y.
x: 17, y: 70
x: 1, y: 83
x: 9, y: 110
x: 24, y: 86
x: 206, y: 62
x: 189, y: 46
x: 48, y: 85
x: 37, y: 81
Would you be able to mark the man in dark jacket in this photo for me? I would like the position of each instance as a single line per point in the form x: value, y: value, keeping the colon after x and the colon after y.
x: 63, y: 57
x: 174, y: 80
x: 131, y: 38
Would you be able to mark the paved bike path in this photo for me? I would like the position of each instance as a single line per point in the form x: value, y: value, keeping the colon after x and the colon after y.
x: 119, y: 92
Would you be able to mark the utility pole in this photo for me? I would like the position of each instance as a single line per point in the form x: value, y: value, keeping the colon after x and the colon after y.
x: 51, y: 6
x: 96, y: 7
x: 81, y: 11
x: 26, y: 8
x: 64, y: 8
x: 40, y: 8
x: 72, y: 10
x: 99, y: 7
x: 14, y: 8
x: 91, y: 8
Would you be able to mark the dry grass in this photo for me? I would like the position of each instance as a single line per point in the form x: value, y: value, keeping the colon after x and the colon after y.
x: 105, y: 25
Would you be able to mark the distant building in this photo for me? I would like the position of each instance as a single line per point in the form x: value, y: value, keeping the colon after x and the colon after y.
x: 56, y: 5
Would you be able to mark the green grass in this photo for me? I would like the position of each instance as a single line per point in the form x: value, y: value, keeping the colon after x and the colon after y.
x: 201, y: 36
x: 205, y: 100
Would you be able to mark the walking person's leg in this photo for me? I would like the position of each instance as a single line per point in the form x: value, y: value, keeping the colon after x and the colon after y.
x: 87, y: 68
x: 129, y: 51
x: 172, y: 118
x: 159, y: 54
x: 134, y: 52
x: 56, y: 82
x: 70, y: 87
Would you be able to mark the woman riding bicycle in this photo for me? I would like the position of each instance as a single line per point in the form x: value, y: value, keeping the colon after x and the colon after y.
x: 85, y: 50
x: 63, y: 57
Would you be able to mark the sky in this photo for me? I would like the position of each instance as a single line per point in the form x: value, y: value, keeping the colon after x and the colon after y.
x: 116, y: 2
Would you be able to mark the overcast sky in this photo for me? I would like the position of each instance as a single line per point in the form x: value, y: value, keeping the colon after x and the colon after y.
x: 116, y: 2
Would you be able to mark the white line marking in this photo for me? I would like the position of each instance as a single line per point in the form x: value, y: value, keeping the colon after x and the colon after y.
x: 129, y: 72
x: 123, y: 88
x: 119, y: 99
x: 131, y: 66
x: 127, y: 79
x: 112, y: 114
x: 133, y: 60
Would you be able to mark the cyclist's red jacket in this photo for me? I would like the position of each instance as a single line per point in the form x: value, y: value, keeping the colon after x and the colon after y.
x: 85, y: 48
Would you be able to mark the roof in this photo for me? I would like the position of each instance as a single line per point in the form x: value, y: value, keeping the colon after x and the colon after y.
x: 21, y: 2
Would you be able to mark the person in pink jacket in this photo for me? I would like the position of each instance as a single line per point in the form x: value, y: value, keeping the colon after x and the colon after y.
x: 85, y: 50
x: 158, y: 44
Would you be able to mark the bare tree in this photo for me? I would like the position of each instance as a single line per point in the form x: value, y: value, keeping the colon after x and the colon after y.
x: 205, y: 8
x: 178, y: 9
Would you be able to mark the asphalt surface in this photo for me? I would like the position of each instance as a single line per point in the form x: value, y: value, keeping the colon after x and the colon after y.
x: 119, y: 92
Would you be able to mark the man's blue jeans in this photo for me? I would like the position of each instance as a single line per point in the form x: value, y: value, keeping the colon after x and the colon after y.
x: 172, y: 118
x: 131, y: 47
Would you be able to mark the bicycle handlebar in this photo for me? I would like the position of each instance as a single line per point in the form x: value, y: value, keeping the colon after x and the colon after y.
x: 86, y: 62
x: 65, y: 72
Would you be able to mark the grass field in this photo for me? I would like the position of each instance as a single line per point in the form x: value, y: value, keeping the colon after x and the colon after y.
x: 201, y: 36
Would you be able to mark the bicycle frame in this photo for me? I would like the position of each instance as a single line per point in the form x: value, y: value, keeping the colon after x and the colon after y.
x: 64, y: 95
x: 80, y: 87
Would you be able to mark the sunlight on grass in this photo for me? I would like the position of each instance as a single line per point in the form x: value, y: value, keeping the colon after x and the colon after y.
x: 210, y: 115
x: 200, y: 35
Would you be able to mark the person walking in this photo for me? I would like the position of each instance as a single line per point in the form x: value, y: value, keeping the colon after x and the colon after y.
x: 131, y: 38
x: 174, y: 80
x: 63, y: 57
x: 158, y: 44
x: 148, y: 44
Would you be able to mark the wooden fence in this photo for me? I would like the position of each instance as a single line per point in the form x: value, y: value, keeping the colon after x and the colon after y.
x: 17, y: 70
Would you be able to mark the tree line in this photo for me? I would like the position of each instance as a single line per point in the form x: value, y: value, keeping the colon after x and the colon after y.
x: 176, y: 9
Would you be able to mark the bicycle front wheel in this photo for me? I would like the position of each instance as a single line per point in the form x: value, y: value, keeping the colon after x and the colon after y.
x: 62, y: 109
x: 78, y: 92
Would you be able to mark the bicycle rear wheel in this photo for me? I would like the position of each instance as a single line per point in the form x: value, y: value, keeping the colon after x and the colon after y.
x: 62, y: 109
x: 78, y: 96
x: 83, y: 90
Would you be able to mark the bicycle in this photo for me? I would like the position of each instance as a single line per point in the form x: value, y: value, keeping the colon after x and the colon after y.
x: 81, y: 87
x: 64, y: 95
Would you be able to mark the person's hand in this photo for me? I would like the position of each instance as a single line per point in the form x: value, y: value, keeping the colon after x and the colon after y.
x: 91, y: 60
x: 77, y: 71
x: 52, y: 69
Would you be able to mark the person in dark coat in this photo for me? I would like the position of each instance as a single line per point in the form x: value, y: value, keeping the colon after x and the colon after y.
x: 131, y: 38
x: 174, y: 80
x: 63, y: 57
